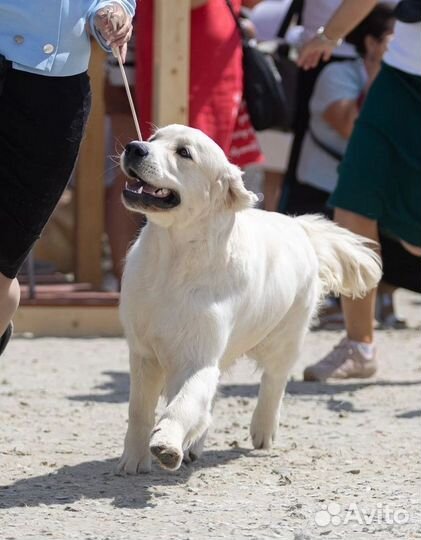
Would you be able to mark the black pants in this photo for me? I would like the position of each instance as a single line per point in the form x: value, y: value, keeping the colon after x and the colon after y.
x: 42, y: 120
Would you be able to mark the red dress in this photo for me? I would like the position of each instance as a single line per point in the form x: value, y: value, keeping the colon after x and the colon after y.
x: 216, y: 79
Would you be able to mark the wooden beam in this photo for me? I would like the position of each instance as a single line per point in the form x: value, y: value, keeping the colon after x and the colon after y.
x: 62, y: 321
x: 171, y: 62
x: 89, y: 206
x: 171, y: 95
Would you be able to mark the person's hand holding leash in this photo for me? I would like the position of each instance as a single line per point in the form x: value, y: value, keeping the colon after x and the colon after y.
x: 115, y: 26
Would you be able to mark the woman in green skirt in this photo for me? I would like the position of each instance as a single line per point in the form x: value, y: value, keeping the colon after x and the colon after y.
x: 380, y: 176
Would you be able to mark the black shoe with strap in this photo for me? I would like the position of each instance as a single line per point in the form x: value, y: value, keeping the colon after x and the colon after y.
x: 5, y: 338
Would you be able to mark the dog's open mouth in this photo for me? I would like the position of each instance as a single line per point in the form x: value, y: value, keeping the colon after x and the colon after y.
x: 140, y: 193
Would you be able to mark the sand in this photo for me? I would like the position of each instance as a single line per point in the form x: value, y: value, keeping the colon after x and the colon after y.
x: 346, y: 464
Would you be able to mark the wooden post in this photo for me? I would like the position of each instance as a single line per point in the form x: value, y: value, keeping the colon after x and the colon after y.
x: 171, y: 96
x: 90, y: 187
x: 171, y: 62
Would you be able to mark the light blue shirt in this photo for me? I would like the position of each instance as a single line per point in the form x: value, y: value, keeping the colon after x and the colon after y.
x: 337, y: 81
x: 50, y: 37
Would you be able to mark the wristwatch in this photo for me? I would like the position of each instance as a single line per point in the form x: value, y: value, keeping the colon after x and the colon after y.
x: 323, y: 37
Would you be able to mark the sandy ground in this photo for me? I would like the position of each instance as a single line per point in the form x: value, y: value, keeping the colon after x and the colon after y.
x: 347, y: 463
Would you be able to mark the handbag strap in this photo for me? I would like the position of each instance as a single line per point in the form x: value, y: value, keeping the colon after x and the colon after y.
x: 295, y: 7
x: 327, y: 149
x: 237, y: 21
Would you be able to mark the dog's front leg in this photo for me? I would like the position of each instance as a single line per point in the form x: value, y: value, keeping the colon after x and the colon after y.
x: 190, y: 395
x: 146, y: 382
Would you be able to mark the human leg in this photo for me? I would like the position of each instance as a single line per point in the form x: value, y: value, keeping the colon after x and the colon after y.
x: 272, y: 189
x: 378, y: 186
x: 9, y: 301
x: 385, y: 308
x: 359, y: 313
x: 39, y: 142
x: 354, y: 356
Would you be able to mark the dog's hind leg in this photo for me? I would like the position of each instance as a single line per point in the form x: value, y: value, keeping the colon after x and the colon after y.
x: 190, y: 394
x: 146, y: 383
x: 276, y: 362
x: 195, y: 450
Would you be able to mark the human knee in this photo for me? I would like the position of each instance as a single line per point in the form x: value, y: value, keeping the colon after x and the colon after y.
x: 9, y: 293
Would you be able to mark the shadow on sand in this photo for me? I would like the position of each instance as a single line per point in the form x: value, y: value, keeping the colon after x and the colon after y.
x: 116, y: 390
x: 96, y: 480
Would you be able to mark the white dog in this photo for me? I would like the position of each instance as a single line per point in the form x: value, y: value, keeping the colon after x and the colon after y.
x: 210, y: 280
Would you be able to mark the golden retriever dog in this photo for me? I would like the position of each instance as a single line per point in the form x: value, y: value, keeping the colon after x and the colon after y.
x: 209, y: 280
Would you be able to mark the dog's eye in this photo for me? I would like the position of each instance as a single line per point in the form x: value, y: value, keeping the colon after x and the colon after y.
x: 184, y: 152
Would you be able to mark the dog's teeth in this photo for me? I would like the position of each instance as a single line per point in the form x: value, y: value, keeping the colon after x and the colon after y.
x: 140, y: 190
x: 162, y: 192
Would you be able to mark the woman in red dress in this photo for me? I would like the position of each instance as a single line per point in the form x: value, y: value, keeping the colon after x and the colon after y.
x: 216, y: 79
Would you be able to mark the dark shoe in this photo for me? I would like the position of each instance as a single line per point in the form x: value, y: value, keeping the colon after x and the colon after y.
x: 385, y: 313
x: 330, y: 316
x: 5, y: 338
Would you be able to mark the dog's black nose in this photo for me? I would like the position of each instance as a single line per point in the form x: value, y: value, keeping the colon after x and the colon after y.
x: 136, y: 149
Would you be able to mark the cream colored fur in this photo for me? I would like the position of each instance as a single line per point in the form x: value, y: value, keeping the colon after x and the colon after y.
x: 212, y: 280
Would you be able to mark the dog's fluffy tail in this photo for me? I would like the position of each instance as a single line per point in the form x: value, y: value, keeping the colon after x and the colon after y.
x: 348, y: 263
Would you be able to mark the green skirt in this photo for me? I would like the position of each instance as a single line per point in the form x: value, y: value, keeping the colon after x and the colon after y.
x: 380, y: 175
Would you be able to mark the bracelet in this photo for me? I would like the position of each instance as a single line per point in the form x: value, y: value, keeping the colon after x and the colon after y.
x: 323, y: 37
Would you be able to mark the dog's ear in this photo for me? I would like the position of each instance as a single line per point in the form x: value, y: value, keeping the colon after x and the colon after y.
x: 237, y: 197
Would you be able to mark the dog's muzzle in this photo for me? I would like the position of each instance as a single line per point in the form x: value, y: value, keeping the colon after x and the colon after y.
x: 139, y: 194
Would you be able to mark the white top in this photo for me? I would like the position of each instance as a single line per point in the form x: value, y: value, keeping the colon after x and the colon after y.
x: 337, y: 81
x: 404, y: 51
x: 267, y: 18
x: 316, y: 13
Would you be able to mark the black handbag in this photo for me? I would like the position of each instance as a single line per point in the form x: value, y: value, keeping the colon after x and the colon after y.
x: 269, y: 81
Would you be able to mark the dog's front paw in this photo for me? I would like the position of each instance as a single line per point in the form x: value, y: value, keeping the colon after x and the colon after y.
x: 169, y: 457
x: 131, y: 463
x: 262, y: 431
x: 166, y: 444
x: 166, y: 452
x: 136, y: 459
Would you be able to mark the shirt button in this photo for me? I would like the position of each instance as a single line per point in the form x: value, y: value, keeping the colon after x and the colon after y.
x: 19, y: 40
x: 48, y: 48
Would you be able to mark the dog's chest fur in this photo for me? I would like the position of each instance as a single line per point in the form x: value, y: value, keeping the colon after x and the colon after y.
x: 166, y: 290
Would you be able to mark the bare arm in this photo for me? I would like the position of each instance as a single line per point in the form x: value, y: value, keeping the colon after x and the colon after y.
x: 345, y: 18
x: 341, y: 116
